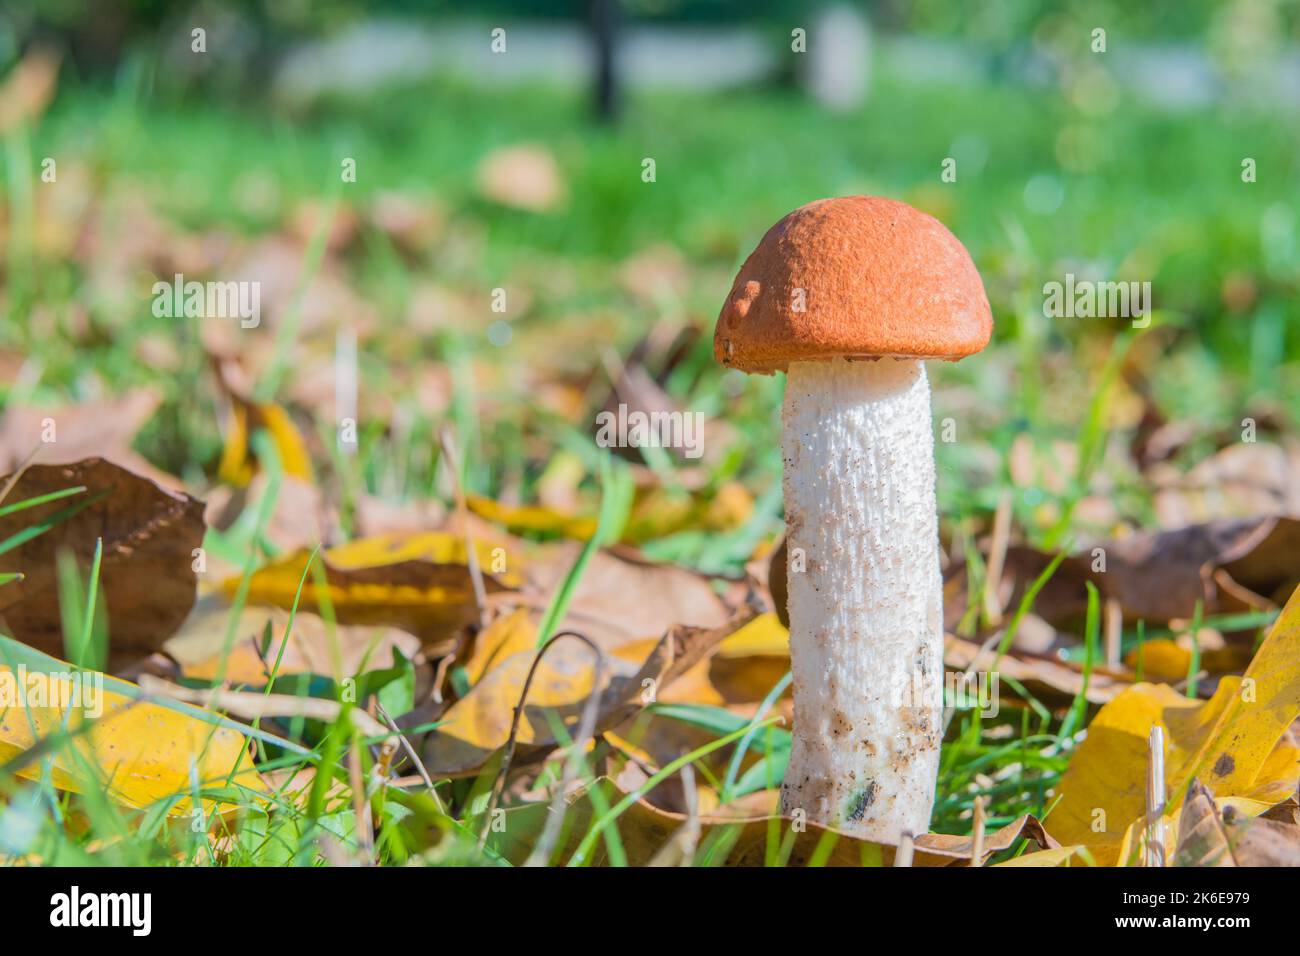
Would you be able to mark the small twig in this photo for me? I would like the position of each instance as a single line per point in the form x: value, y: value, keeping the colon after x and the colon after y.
x: 977, y: 834
x: 1114, y: 632
x: 997, y: 560
x: 585, y: 728
x: 439, y: 676
x: 903, y: 855
x: 365, y: 825
x: 680, y: 848
x: 1155, y: 850
x: 21, y: 470
x: 250, y: 706
x: 410, y: 752
x: 448, y: 440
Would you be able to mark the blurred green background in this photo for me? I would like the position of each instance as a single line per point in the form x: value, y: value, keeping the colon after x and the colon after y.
x: 1122, y: 163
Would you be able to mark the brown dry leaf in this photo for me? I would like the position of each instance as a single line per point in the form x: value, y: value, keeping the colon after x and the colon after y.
x: 75, y: 432
x: 197, y: 646
x: 644, y: 829
x: 1050, y: 680
x: 28, y: 89
x: 522, y: 177
x: 1202, y: 834
x: 1248, y: 479
x: 1229, y: 565
x: 1261, y: 842
x: 147, y: 578
x: 1161, y: 575
x: 419, y: 582
x: 623, y: 597
x: 508, y: 635
x: 478, y: 724
x: 1210, y: 836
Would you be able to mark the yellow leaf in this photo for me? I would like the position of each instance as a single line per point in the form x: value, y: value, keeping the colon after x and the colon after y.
x: 1057, y: 856
x: 137, y: 751
x: 237, y: 464
x: 479, y: 723
x: 293, y: 451
x: 417, y: 581
x: 532, y: 519
x: 1235, y: 743
x: 508, y: 635
x: 764, y: 636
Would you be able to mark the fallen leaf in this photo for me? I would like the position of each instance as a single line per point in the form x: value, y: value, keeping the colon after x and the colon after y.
x: 532, y: 519
x: 1202, y: 834
x: 478, y: 725
x: 624, y: 597
x: 70, y: 433
x: 312, y: 646
x: 419, y: 582
x: 147, y: 578
x: 523, y: 177
x: 508, y: 635
x: 238, y: 464
x: 1245, y: 479
x: 1238, y: 742
x: 1154, y: 575
x: 137, y: 751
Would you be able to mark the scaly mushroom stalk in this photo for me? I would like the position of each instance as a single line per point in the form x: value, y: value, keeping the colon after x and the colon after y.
x: 849, y: 296
x: 866, y: 609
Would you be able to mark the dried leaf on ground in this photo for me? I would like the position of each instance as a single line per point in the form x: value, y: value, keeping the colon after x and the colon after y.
x: 1246, y: 479
x: 312, y: 647
x: 523, y: 177
x: 70, y: 433
x: 1211, y: 836
x: 419, y: 582
x: 478, y: 724
x: 1238, y: 742
x: 135, y: 750
x: 623, y: 597
x: 1228, y: 565
x: 147, y: 576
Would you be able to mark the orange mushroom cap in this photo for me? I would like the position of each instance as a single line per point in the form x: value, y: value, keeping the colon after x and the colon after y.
x: 858, y: 276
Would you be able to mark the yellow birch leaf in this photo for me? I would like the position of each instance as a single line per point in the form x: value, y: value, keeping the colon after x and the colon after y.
x: 137, y: 751
x: 531, y: 519
x: 508, y: 635
x: 1236, y: 743
x: 764, y: 636
x: 237, y: 465
x: 416, y: 581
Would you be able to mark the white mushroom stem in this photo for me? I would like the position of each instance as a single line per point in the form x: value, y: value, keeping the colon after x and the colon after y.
x: 865, y: 596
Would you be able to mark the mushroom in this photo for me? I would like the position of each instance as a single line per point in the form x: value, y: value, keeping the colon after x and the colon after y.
x: 848, y: 296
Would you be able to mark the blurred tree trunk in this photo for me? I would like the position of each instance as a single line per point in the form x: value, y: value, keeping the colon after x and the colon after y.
x: 604, y: 29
